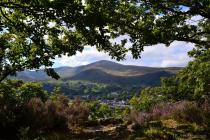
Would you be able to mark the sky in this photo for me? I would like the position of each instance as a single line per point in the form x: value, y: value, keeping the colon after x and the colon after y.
x: 153, y: 56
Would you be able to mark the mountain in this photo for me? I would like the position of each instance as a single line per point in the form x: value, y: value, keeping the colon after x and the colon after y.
x: 100, y: 69
x: 101, y: 80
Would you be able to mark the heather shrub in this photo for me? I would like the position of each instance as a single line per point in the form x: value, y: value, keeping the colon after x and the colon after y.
x: 77, y: 114
x: 26, y: 105
x: 55, y: 117
x: 188, y: 112
x: 161, y: 111
x: 158, y: 112
x: 43, y: 117
x: 34, y: 116
x: 184, y: 111
x: 140, y: 117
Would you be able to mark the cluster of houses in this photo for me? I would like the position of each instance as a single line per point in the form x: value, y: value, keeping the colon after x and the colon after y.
x: 115, y: 103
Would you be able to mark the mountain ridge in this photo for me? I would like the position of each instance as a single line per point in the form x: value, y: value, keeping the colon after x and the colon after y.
x: 109, y: 67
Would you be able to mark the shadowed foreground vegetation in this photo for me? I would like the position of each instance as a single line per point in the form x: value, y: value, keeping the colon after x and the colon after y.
x: 27, y: 112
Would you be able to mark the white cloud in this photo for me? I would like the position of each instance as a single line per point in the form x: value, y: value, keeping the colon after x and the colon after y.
x: 89, y: 55
x: 154, y: 56
x: 161, y: 56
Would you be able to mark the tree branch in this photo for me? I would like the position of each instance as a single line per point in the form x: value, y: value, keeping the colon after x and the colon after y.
x: 5, y: 74
x: 199, y: 42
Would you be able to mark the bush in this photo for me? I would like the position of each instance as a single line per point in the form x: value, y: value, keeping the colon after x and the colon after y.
x: 188, y: 112
x: 26, y: 105
x: 55, y: 116
x: 148, y: 98
x: 34, y: 114
x: 140, y: 117
x: 31, y: 90
x: 98, y: 110
x: 162, y: 111
x: 77, y: 114
x: 13, y: 105
x: 184, y: 111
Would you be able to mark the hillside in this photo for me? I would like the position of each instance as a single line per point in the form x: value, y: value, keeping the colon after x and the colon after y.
x: 97, y: 75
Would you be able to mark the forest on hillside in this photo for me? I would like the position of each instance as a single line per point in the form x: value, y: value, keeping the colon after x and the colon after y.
x: 34, y: 32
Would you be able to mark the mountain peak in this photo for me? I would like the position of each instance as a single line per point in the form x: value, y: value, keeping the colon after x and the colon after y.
x: 105, y: 62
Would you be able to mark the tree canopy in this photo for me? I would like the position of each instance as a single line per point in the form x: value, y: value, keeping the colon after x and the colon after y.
x: 34, y: 32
